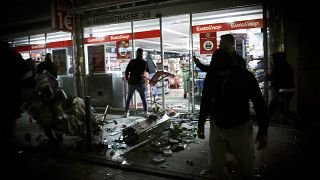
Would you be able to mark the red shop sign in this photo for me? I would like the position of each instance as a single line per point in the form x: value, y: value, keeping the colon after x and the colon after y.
x: 208, y: 42
x: 122, y: 49
x: 255, y: 23
x: 123, y: 37
x: 62, y: 19
x: 56, y: 44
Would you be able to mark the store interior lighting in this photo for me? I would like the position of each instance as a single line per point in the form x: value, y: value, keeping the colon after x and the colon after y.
x: 175, y: 32
x: 58, y: 36
x: 218, y: 14
x: 176, y: 28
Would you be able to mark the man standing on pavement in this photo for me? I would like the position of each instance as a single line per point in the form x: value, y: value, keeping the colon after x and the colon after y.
x: 135, y: 76
x: 228, y: 89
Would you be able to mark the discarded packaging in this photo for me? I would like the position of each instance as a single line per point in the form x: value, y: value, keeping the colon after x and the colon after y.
x: 167, y: 153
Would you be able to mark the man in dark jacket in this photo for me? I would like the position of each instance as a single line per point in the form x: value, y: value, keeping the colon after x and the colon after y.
x: 15, y: 75
x: 47, y: 65
x: 282, y: 85
x: 226, y: 44
x: 228, y: 90
x: 135, y: 75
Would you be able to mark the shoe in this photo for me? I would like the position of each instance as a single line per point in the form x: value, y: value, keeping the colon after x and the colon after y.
x: 126, y: 114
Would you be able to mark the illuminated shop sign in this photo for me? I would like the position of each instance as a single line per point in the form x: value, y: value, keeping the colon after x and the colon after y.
x: 122, y: 49
x: 62, y: 20
x: 122, y: 37
x: 120, y: 18
x: 116, y: 37
x: 208, y: 42
x: 56, y: 44
x: 255, y: 23
x: 37, y: 46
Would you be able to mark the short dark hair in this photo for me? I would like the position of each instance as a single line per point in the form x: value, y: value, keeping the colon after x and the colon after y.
x: 48, y: 56
x: 227, y: 36
x: 139, y: 51
x: 278, y: 56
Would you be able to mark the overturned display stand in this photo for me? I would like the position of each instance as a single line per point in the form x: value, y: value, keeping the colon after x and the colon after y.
x: 145, y: 130
x: 120, y: 135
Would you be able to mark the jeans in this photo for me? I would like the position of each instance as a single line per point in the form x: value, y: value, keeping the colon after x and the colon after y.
x: 142, y: 92
x: 154, y: 89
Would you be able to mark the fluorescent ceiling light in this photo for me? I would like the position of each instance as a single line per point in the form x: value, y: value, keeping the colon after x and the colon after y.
x: 37, y: 42
x: 217, y: 14
x: 175, y: 32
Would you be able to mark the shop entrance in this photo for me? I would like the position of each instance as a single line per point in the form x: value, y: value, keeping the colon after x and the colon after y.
x: 170, y: 42
x: 172, y: 92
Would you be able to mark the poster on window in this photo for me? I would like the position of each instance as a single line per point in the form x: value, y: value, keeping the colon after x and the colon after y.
x: 96, y: 59
x: 208, y: 42
x: 59, y: 57
x: 122, y: 49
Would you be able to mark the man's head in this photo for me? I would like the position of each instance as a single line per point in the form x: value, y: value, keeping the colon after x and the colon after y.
x: 48, y: 57
x: 278, y: 57
x: 139, y: 53
x: 227, y: 42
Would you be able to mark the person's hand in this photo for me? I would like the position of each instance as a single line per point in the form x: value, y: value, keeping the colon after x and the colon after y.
x: 196, y: 60
x: 261, y: 141
x: 201, y: 132
x: 145, y: 75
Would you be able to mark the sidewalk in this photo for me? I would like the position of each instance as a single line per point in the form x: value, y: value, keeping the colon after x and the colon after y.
x: 291, y: 154
x: 40, y: 166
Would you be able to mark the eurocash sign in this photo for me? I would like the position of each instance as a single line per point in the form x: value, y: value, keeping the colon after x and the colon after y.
x: 120, y: 18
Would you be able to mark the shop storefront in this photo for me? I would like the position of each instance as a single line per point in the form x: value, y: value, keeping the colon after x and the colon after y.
x: 171, y: 40
x: 171, y: 35
x: 59, y: 44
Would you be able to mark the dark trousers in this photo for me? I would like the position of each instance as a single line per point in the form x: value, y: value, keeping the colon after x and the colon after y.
x: 282, y: 101
x: 7, y: 129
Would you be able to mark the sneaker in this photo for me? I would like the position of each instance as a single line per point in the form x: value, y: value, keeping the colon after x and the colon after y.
x: 126, y: 114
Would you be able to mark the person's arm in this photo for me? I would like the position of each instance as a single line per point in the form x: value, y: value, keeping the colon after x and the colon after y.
x: 127, y: 71
x: 147, y: 67
x: 205, y: 106
x: 260, y: 108
x: 203, y: 114
x: 202, y: 67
